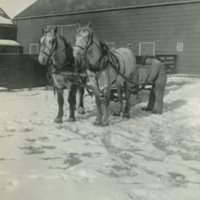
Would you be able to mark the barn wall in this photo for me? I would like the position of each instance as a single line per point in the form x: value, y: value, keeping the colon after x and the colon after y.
x: 8, y: 32
x: 166, y: 26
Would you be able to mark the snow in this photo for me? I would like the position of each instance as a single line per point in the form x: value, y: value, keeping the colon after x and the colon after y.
x: 149, y: 157
x: 4, y: 20
x: 9, y: 42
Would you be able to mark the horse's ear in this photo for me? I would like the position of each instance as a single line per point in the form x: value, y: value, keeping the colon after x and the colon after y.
x: 89, y: 24
x: 55, y: 30
x: 43, y: 31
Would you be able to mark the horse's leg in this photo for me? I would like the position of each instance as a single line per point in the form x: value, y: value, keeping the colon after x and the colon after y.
x: 160, y: 84
x: 98, y: 120
x: 60, y: 100
x: 105, y: 104
x: 126, y: 113
x: 151, y: 101
x: 81, y: 109
x: 72, y: 102
x: 120, y: 100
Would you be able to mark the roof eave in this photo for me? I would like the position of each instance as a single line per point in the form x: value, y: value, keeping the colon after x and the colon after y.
x: 10, y: 25
x: 111, y: 9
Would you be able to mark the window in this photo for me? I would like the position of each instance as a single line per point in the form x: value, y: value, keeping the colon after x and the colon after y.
x: 147, y: 48
x: 33, y: 48
x: 179, y: 46
x: 67, y: 31
x: 111, y: 45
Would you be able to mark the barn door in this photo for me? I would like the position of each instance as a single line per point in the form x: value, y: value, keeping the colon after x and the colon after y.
x: 69, y: 32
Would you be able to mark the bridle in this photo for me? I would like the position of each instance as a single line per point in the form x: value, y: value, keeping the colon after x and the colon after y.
x: 51, y: 61
x: 51, y: 50
x: 89, y: 43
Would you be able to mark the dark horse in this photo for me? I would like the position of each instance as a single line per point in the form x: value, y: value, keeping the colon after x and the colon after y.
x: 57, y: 53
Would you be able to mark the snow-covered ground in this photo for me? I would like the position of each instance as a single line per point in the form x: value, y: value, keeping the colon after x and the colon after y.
x: 149, y: 157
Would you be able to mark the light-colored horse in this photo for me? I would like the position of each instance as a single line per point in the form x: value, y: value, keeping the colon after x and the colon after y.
x: 104, y: 68
x: 58, y: 55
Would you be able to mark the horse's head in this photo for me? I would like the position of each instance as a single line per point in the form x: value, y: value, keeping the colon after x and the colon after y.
x: 83, y: 41
x: 47, y: 46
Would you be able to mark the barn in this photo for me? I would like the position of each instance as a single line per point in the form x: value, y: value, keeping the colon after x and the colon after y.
x: 155, y: 27
x: 17, y: 70
x: 8, y: 30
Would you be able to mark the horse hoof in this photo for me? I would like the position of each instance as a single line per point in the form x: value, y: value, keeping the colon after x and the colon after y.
x: 146, y: 109
x: 116, y: 114
x: 97, y: 123
x: 58, y: 120
x: 71, y: 119
x: 159, y: 112
x: 104, y: 124
x: 126, y: 115
x: 81, y: 110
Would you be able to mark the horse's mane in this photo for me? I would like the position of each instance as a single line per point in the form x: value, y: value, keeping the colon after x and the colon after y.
x: 68, y: 48
x: 67, y: 44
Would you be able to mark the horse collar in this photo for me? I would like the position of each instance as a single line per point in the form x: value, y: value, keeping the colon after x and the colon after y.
x: 103, y: 61
x: 101, y: 64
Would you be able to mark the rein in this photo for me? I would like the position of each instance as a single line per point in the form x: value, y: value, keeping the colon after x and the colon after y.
x: 104, y: 60
x: 89, y: 43
x: 107, y: 58
x: 51, y: 59
x: 51, y: 50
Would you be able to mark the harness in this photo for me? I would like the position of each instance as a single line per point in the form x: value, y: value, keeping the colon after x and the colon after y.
x: 51, y: 50
x: 76, y: 76
x: 109, y: 57
x: 53, y: 68
x: 106, y: 58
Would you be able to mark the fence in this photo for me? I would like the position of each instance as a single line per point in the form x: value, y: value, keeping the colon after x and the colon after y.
x: 21, y: 71
x: 24, y: 71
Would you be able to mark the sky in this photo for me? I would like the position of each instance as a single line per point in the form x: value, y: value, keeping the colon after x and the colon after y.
x: 13, y: 7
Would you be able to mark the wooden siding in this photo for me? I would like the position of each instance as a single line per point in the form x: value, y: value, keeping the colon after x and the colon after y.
x: 8, y: 32
x: 164, y: 25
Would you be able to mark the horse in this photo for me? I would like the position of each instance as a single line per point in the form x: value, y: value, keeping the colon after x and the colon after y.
x: 151, y: 72
x: 57, y: 53
x: 104, y: 68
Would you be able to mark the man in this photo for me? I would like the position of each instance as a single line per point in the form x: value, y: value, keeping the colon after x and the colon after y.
x: 152, y: 72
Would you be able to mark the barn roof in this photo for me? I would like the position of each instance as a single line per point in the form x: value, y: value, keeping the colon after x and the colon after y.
x: 8, y: 43
x: 54, y: 7
x: 4, y: 19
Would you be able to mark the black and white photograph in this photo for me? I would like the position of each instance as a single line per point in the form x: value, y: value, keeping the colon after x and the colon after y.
x: 99, y: 99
